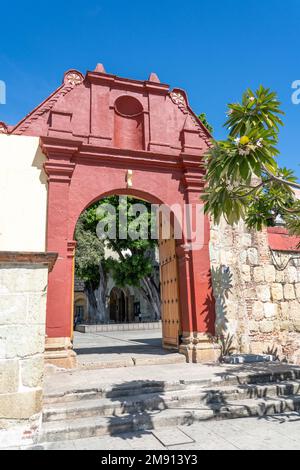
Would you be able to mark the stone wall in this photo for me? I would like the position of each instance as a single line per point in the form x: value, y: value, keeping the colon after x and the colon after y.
x: 23, y: 292
x: 257, y: 292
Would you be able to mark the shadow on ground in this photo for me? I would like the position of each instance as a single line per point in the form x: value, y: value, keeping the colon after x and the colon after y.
x: 138, y: 411
x: 131, y: 346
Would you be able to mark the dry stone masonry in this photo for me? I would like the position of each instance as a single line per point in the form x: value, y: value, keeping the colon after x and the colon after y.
x: 257, y: 292
x: 23, y: 293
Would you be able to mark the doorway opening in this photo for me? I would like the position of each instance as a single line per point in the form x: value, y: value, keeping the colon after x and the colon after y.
x: 130, y: 286
x: 118, y: 306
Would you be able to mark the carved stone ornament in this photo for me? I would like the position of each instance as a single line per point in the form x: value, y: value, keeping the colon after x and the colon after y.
x: 3, y: 128
x: 180, y: 101
x: 73, y: 78
x: 178, y: 98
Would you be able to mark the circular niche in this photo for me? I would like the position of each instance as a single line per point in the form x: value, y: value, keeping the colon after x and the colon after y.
x: 128, y: 106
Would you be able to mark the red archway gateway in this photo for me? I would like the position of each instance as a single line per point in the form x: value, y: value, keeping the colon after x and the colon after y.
x: 93, y: 130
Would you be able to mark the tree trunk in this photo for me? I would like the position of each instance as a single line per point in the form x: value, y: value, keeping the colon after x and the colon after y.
x: 101, y: 296
x: 90, y: 293
x: 152, y: 294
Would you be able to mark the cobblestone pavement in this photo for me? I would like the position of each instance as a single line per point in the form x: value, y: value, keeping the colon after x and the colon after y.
x: 280, y: 432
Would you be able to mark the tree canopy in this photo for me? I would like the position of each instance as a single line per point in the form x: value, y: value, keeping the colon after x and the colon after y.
x: 133, y: 262
x: 132, y: 247
x: 203, y: 119
x: 244, y: 179
x: 89, y: 251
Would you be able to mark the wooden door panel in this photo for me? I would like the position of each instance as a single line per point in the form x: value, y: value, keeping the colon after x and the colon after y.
x: 171, y: 324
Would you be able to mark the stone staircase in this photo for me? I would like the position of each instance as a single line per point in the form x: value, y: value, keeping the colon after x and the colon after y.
x: 145, y: 405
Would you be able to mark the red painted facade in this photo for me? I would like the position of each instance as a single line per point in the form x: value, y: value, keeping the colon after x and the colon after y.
x: 92, y: 130
x: 280, y: 240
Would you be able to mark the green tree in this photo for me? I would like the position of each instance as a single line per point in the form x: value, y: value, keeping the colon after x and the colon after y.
x: 243, y: 178
x: 203, y: 119
x: 88, y: 265
x: 133, y: 260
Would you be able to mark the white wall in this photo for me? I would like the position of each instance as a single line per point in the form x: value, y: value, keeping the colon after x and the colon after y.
x: 23, y: 194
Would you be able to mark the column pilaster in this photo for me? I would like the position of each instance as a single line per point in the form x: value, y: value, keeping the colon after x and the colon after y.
x: 59, y: 322
x: 198, y: 304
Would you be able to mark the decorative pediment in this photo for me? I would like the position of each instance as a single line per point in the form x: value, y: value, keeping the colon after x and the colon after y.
x: 87, y: 108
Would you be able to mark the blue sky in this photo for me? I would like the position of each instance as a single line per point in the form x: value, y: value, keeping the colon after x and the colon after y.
x: 214, y: 50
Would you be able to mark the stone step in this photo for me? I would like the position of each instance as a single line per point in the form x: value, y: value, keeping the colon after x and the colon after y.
x: 111, y: 425
x: 248, y: 391
x: 114, y: 391
x: 86, y: 362
x: 152, y: 386
x: 191, y: 396
x: 105, y: 328
x: 107, y: 406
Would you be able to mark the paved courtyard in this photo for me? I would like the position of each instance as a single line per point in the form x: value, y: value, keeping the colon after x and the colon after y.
x: 271, y: 433
x: 122, y: 348
x: 118, y: 342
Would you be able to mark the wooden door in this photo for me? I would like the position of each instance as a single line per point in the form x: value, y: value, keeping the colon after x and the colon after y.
x: 170, y: 305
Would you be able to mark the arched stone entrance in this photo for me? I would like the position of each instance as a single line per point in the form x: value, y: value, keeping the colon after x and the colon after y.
x: 104, y: 135
x: 118, y: 306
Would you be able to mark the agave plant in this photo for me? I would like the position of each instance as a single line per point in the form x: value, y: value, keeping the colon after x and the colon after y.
x: 227, y: 348
x: 273, y: 351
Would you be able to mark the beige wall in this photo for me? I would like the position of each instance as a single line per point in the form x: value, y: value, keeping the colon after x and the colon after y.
x: 23, y: 194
